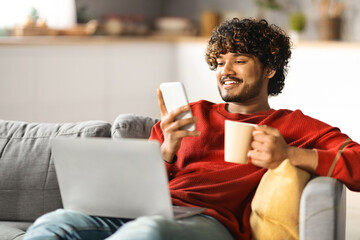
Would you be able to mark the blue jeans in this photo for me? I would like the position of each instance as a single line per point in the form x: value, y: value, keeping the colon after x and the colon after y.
x: 67, y: 224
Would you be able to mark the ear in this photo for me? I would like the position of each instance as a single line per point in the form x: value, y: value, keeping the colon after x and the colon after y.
x: 269, y: 73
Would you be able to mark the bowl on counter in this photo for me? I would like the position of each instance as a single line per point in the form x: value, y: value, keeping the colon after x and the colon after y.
x: 174, y: 25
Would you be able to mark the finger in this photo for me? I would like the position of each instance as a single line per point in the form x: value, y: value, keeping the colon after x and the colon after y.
x: 162, y: 107
x: 181, y: 123
x: 258, y: 155
x: 261, y: 138
x: 260, y: 159
x: 259, y: 146
x: 255, y: 160
x: 173, y: 114
x: 171, y: 117
x: 257, y: 163
x: 184, y: 133
x: 266, y: 137
x: 267, y: 130
x: 258, y: 134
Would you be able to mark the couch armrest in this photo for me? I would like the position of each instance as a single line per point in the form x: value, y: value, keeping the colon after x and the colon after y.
x: 132, y: 126
x: 322, y: 210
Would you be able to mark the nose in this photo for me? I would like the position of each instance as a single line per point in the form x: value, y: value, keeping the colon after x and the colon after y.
x: 227, y: 69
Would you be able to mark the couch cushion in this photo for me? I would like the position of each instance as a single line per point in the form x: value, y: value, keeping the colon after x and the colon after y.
x: 275, y: 206
x: 132, y: 126
x: 13, y: 230
x: 28, y: 184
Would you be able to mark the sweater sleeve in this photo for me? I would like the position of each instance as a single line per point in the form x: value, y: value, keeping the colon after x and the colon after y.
x: 157, y: 135
x: 347, y: 168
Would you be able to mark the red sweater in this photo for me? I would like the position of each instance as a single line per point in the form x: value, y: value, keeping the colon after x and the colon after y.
x: 200, y: 176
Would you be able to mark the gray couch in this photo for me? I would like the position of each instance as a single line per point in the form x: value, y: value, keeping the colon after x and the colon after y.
x: 28, y: 184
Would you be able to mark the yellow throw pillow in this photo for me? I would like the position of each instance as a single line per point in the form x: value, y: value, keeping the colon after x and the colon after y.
x: 275, y: 206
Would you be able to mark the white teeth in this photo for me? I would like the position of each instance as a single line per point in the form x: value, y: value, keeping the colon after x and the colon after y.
x: 230, y: 82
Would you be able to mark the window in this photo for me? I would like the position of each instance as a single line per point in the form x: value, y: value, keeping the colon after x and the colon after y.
x: 57, y: 13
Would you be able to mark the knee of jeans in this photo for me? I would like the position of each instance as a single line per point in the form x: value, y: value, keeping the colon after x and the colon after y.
x: 58, y: 216
x: 152, y: 226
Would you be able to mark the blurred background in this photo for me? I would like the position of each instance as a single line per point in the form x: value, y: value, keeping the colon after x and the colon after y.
x: 79, y: 60
x: 191, y: 17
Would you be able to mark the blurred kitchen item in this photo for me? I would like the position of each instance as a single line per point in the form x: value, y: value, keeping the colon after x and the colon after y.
x: 134, y: 24
x: 113, y: 25
x: 297, y: 22
x: 19, y: 30
x: 81, y: 29
x: 330, y: 20
x: 33, y: 27
x: 330, y: 28
x: 40, y: 28
x: 208, y: 21
x: 331, y: 8
x: 228, y: 15
x: 82, y: 14
x: 141, y: 26
x: 91, y: 27
x: 33, y: 16
x: 56, y: 18
x: 174, y: 25
x: 264, y: 6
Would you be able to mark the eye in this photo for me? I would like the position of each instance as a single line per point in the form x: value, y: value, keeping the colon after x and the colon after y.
x: 220, y: 64
x: 240, y: 61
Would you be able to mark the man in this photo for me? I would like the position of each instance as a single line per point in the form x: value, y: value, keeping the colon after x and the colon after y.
x: 250, y: 58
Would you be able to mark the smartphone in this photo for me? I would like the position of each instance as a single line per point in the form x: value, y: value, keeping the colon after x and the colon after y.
x: 174, y: 96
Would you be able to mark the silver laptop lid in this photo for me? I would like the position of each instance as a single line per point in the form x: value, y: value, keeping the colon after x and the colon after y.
x: 113, y: 178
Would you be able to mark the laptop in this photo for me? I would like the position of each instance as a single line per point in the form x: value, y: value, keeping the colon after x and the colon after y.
x: 114, y: 178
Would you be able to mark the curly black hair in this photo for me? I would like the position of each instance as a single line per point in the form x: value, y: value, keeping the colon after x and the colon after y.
x: 268, y: 43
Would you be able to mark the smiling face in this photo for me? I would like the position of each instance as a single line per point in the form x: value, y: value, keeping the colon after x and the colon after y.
x: 267, y: 42
x: 241, y: 78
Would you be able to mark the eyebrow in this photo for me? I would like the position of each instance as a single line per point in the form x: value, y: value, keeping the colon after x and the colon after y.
x: 241, y: 54
x: 237, y: 55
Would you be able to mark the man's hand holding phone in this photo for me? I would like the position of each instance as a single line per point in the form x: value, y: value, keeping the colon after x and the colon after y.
x: 174, y: 127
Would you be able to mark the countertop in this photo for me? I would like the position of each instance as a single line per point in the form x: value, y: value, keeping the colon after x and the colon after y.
x: 96, y: 40
x: 101, y: 40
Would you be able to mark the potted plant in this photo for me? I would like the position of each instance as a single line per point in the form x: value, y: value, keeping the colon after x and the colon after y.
x: 297, y: 24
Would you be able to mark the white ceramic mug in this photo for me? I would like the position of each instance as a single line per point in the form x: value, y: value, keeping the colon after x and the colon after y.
x: 238, y: 136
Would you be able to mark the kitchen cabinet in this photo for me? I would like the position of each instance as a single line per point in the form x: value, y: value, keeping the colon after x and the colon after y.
x: 81, y: 82
x: 70, y: 79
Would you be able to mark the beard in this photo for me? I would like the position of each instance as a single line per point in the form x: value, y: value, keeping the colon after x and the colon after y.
x: 248, y: 92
